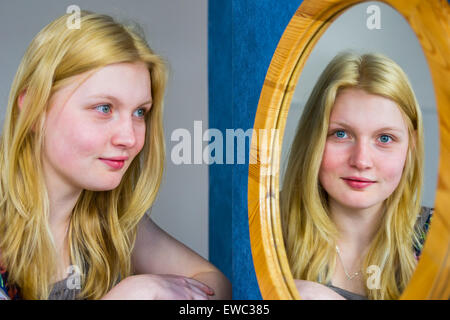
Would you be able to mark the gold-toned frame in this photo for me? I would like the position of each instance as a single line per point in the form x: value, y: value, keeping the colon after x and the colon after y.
x: 430, y: 20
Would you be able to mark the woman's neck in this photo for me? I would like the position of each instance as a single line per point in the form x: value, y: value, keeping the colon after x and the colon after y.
x: 62, y: 200
x: 357, y: 227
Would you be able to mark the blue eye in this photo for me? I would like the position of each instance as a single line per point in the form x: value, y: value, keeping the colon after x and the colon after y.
x: 104, y: 108
x: 140, y: 113
x: 340, y: 134
x: 385, y: 138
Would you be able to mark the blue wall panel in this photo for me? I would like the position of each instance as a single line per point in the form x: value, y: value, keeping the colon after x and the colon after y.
x: 220, y: 117
x: 236, y: 76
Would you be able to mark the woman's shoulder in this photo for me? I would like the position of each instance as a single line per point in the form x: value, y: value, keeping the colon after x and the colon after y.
x: 424, y: 218
x: 422, y: 226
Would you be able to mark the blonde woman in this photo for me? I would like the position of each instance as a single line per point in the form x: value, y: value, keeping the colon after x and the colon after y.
x: 82, y: 155
x: 350, y: 202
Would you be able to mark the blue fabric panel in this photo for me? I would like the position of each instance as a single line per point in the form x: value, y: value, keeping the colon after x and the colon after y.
x: 242, y: 37
x: 220, y: 117
x: 257, y: 28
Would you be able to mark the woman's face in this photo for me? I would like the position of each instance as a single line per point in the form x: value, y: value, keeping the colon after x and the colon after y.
x: 94, y: 130
x: 365, y: 150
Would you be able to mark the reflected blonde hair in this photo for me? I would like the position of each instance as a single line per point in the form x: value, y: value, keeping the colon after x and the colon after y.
x: 103, y: 225
x: 310, y: 234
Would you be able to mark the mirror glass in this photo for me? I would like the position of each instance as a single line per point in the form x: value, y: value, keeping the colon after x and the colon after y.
x: 370, y: 27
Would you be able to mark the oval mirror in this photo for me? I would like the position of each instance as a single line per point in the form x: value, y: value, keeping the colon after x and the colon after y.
x: 318, y: 31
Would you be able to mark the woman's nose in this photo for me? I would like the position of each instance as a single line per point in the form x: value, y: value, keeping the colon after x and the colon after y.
x: 124, y: 135
x: 360, y: 156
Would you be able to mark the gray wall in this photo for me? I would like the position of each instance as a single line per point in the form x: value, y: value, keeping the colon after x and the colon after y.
x: 395, y: 39
x: 177, y: 30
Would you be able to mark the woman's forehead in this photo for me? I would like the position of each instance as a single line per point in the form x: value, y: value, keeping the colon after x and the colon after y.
x: 356, y: 108
x: 125, y: 82
x: 127, y: 79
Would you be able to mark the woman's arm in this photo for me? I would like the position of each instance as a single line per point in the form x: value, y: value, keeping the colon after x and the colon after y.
x: 157, y: 253
x: 158, y: 287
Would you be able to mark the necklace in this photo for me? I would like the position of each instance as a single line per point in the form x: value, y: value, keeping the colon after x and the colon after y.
x: 349, y: 277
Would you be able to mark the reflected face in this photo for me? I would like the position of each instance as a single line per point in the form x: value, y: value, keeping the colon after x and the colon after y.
x: 365, y: 150
x: 94, y: 130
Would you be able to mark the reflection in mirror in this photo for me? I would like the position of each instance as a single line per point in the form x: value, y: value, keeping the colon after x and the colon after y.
x: 360, y: 163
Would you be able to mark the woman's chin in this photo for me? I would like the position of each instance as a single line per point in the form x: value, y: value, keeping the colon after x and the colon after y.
x: 359, y: 205
x: 106, y: 186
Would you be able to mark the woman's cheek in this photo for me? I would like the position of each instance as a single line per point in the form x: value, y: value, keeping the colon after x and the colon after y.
x: 331, y: 164
x: 333, y: 158
x: 391, y: 166
x: 140, y: 139
x: 87, y: 140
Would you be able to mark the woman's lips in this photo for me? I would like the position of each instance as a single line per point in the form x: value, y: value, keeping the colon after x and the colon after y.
x: 115, y: 163
x: 358, y: 182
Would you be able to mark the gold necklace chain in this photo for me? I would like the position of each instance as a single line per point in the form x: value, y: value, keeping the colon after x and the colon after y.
x: 349, y: 277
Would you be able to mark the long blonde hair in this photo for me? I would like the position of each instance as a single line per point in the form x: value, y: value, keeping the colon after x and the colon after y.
x: 310, y: 234
x: 103, y: 225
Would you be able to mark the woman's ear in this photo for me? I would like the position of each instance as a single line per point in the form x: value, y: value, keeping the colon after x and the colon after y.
x: 21, y: 98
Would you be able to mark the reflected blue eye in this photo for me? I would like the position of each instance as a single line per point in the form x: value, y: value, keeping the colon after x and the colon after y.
x: 104, y: 108
x: 340, y: 134
x: 385, y: 138
x: 140, y: 113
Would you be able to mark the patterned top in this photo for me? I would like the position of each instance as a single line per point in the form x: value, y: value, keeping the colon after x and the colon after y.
x: 7, y: 292
x: 60, y: 290
x: 422, y: 225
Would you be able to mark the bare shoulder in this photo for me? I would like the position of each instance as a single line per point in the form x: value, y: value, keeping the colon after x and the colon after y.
x: 150, y: 235
x: 146, y: 224
x: 156, y: 251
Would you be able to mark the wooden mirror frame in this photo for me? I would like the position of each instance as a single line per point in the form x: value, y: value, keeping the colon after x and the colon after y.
x: 430, y: 22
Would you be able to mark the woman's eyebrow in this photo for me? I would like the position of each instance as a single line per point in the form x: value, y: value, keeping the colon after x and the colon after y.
x: 116, y: 100
x: 346, y: 125
x: 391, y: 129
x: 342, y: 124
